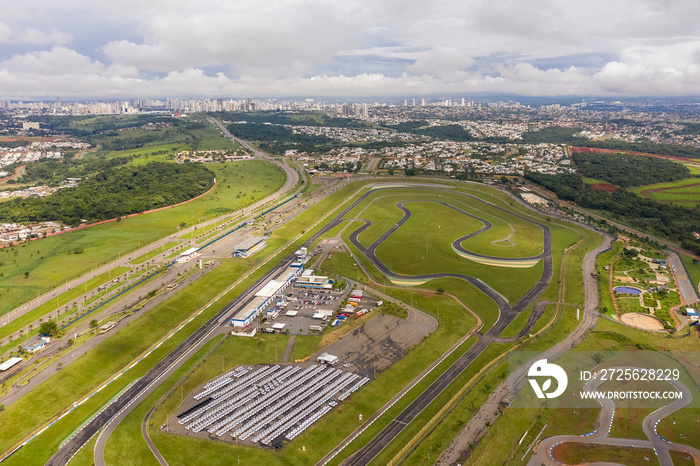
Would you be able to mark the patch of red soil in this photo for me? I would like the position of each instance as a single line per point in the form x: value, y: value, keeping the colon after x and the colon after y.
x: 604, y: 187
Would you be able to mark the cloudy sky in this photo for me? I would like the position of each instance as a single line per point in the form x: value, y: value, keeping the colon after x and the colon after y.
x: 240, y: 48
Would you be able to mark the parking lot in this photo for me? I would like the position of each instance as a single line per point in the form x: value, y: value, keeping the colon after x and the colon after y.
x: 298, y: 306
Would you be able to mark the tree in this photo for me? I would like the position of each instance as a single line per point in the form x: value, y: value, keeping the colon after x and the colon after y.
x: 49, y: 328
x: 93, y: 324
x: 26, y: 274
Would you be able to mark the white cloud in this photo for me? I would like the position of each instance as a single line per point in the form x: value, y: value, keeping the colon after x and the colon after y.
x: 4, y: 33
x: 35, y: 36
x: 354, y: 47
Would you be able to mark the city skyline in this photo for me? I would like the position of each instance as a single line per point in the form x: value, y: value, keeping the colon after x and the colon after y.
x: 82, y: 50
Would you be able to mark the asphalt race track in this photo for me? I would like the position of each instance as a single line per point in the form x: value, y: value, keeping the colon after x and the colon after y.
x: 507, y: 314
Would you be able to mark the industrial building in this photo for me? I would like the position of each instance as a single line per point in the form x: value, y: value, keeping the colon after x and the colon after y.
x: 250, y: 246
x: 309, y: 280
x: 265, y: 296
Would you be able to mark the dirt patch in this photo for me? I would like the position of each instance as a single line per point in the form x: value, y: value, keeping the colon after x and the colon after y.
x: 604, y: 187
x: 642, y: 321
x: 624, y: 279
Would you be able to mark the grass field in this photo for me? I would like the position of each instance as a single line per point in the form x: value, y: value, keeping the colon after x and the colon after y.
x: 509, y: 236
x: 684, y: 192
x: 607, y: 259
x: 52, y: 261
x: 431, y: 250
x: 154, y: 253
x: 573, y: 453
x: 608, y: 336
x: 692, y: 268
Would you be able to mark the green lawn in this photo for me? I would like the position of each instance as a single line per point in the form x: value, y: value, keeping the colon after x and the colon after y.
x: 154, y: 253
x: 430, y: 251
x: 573, y: 453
x: 89, y: 370
x: 500, y: 446
x: 683, y: 192
x: 51, y: 261
x: 626, y: 305
x: 693, y: 269
x: 380, y: 209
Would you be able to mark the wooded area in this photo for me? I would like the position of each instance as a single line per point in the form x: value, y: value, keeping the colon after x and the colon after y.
x: 629, y: 170
x: 113, y: 193
x: 671, y: 221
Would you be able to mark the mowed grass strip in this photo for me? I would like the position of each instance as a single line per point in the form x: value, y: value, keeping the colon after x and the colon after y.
x: 97, y: 365
x: 154, y: 253
x: 61, y: 300
x: 577, y: 453
x: 52, y: 261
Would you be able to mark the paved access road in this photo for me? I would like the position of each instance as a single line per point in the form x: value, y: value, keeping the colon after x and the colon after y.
x: 685, y: 286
